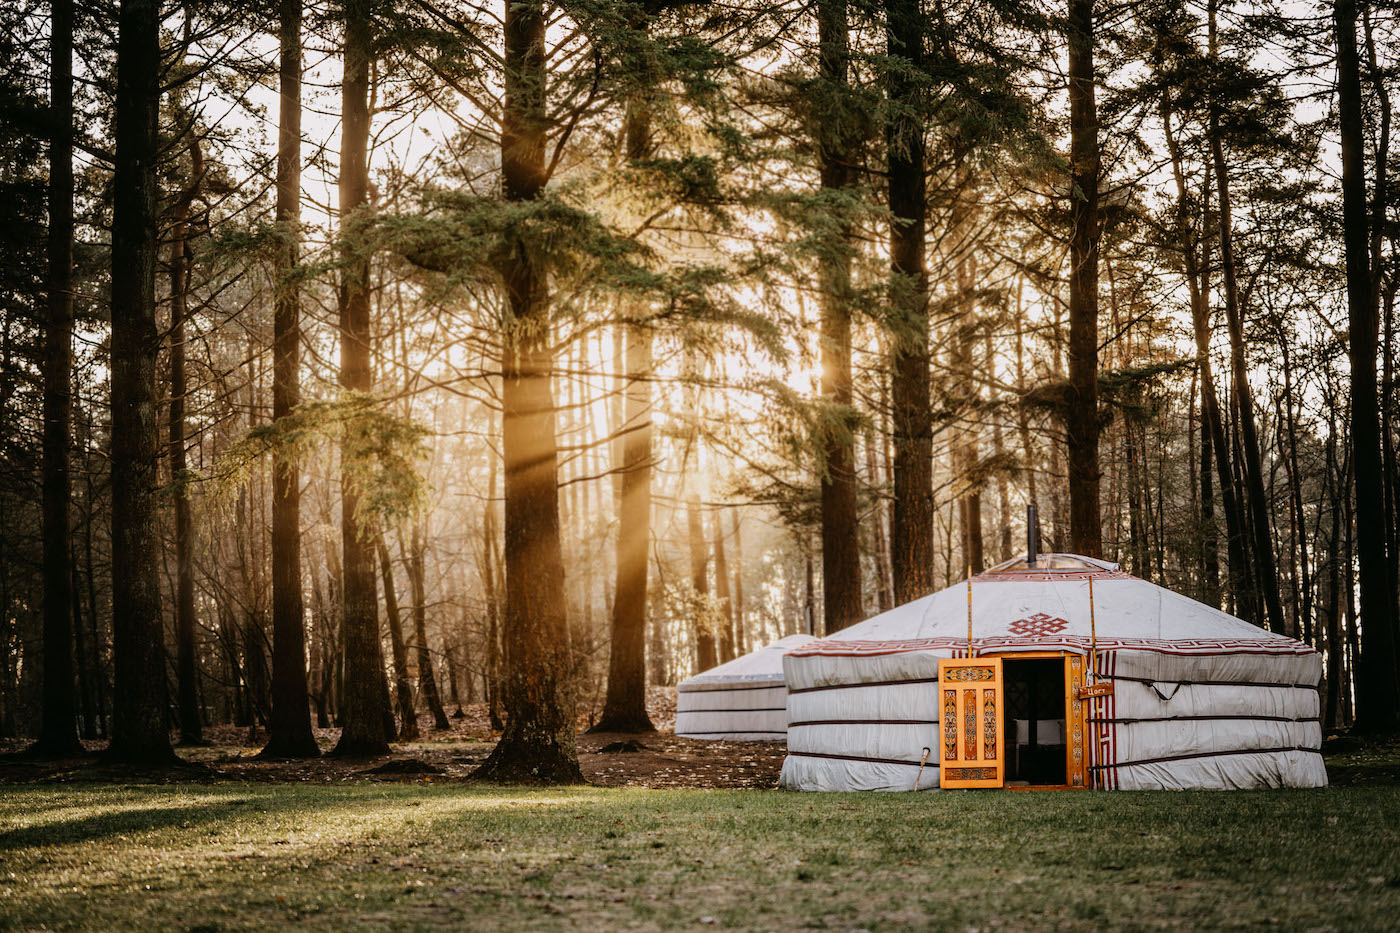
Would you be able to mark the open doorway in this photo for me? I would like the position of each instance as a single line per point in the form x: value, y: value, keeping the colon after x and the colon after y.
x: 1035, y: 720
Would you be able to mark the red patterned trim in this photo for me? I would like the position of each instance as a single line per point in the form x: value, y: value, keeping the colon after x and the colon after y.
x: 864, y: 683
x: 771, y: 685
x: 1054, y: 576
x: 1081, y: 643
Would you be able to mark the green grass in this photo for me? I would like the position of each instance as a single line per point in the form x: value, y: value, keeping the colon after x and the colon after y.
x: 404, y: 856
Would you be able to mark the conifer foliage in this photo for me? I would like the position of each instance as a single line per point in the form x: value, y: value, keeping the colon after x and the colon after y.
x: 378, y: 361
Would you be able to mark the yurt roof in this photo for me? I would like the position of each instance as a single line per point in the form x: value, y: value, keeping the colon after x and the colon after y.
x: 763, y: 665
x: 1047, y: 606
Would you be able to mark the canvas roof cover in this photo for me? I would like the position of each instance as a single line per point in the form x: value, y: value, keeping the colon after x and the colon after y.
x: 1202, y: 699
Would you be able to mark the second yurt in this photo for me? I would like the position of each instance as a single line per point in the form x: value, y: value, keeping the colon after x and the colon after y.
x: 743, y: 700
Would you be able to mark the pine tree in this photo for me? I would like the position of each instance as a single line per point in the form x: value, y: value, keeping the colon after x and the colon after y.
x: 140, y: 699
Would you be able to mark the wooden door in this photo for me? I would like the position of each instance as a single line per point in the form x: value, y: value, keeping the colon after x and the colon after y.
x: 972, y: 749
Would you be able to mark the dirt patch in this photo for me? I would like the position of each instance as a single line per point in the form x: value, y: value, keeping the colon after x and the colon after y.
x: 404, y: 766
x: 657, y: 759
x: 1354, y: 761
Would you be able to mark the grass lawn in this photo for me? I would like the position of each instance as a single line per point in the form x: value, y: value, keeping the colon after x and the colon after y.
x: 415, y: 855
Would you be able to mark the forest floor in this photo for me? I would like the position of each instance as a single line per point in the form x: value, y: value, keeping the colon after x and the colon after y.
x: 243, y: 844
x: 656, y: 760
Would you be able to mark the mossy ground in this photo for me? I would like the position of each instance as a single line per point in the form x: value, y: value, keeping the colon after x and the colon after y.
x: 422, y: 854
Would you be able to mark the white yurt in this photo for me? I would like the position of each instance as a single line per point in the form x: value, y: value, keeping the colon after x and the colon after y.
x: 1019, y: 680
x: 744, y: 700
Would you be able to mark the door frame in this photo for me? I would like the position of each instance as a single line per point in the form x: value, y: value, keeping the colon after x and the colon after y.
x: 1077, y: 764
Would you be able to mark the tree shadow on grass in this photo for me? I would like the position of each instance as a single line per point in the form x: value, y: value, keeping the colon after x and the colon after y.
x: 114, y: 820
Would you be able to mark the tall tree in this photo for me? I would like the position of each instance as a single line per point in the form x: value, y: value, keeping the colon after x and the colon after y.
x: 625, y: 706
x: 364, y: 699
x: 624, y: 709
x: 706, y: 642
x: 427, y: 678
x: 58, y: 731
x: 728, y: 643
x: 840, y: 523
x: 1378, y: 699
x: 289, y: 728
x: 1265, y: 565
x: 403, y: 689
x: 538, y: 742
x: 1082, y: 414
x: 1214, y: 448
x: 186, y: 653
x: 140, y: 692
x: 912, y: 531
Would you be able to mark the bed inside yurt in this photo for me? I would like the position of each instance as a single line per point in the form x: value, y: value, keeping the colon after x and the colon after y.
x: 1020, y: 678
x: 743, y: 700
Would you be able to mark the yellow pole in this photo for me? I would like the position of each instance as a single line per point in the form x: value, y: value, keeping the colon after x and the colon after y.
x: 1093, y: 634
x: 969, y: 610
x: 1093, y: 677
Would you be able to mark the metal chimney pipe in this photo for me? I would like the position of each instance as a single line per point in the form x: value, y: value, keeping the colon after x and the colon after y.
x: 1032, y: 536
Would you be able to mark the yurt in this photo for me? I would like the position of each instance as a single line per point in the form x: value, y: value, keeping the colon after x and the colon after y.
x: 1053, y: 672
x: 744, y: 700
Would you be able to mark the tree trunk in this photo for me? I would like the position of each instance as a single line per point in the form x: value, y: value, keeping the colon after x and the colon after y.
x: 1214, y: 446
x: 363, y: 731
x: 727, y: 642
x: 140, y: 691
x: 427, y: 679
x: 1383, y: 295
x: 1336, y: 655
x: 187, y: 665
x: 706, y: 644
x: 1378, y: 702
x: 741, y: 635
x: 625, y: 707
x: 454, y: 681
x: 1210, y: 547
x: 58, y: 731
x: 90, y: 578
x: 319, y: 654
x: 912, y: 534
x: 840, y: 522
x: 1023, y: 416
x: 965, y: 452
x: 493, y: 601
x: 809, y: 590
x: 884, y: 590
x: 1303, y: 622
x: 289, y: 731
x: 1004, y: 545
x: 538, y: 742
x: 1082, y: 414
x: 81, y: 652
x: 403, y: 690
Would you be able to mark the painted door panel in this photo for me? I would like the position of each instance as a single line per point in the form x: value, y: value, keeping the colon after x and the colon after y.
x: 971, y: 743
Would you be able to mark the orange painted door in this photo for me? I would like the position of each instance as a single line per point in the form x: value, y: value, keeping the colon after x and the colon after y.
x: 971, y: 747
